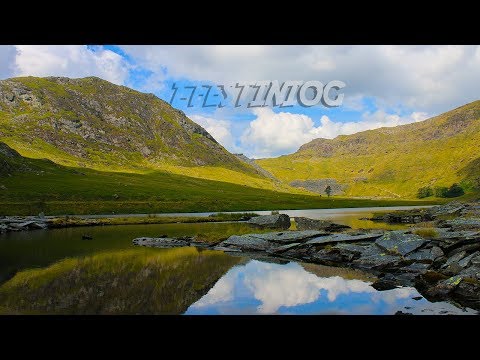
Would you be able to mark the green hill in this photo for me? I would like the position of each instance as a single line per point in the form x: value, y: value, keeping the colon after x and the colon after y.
x: 91, y: 123
x: 390, y: 162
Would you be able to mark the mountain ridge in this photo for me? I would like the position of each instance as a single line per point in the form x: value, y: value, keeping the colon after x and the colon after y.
x: 392, y: 160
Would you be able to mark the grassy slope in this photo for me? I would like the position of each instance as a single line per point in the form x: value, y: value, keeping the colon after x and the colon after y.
x: 393, y: 162
x: 54, y: 189
x: 91, y: 123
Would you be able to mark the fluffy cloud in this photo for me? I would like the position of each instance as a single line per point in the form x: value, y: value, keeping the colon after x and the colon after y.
x: 426, y: 78
x: 272, y: 134
x: 66, y: 60
x: 219, y: 129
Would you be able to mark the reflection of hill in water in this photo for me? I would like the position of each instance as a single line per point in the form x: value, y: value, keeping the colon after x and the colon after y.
x: 139, y: 281
x: 329, y: 271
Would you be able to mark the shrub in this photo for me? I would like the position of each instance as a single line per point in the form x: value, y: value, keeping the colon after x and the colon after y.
x: 455, y: 190
x: 424, y: 192
x: 427, y: 233
x: 441, y: 191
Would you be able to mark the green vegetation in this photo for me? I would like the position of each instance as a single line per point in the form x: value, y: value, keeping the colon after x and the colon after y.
x: 393, y: 162
x: 72, y: 221
x: 427, y: 233
x: 441, y: 191
x: 42, y: 186
x: 424, y: 192
x: 328, y: 190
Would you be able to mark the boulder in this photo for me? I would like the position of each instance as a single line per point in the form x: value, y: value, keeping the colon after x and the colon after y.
x: 445, y: 287
x: 248, y: 243
x: 425, y: 255
x: 290, y: 236
x: 379, y: 261
x: 466, y: 261
x: 303, y: 223
x: 160, y: 242
x: 342, y: 238
x: 455, y: 259
x: 399, y: 242
x: 280, y: 221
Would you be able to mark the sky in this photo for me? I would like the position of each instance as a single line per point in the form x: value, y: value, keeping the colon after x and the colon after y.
x: 384, y: 85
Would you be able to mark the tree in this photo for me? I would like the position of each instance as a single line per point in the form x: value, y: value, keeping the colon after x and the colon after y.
x: 455, y: 190
x: 424, y: 192
x: 441, y: 191
x: 328, y: 190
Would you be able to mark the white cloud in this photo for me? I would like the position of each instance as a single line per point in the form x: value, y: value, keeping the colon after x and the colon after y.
x: 65, y: 60
x: 219, y: 129
x: 272, y: 134
x: 426, y: 78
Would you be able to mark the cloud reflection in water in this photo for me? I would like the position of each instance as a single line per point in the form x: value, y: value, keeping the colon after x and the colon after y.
x: 268, y: 288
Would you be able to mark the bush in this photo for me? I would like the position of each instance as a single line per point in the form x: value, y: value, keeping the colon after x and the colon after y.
x: 424, y: 192
x: 441, y: 191
x: 455, y: 190
x: 428, y: 233
x: 275, y: 212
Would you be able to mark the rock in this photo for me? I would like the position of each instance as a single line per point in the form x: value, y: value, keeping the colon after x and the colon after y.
x: 416, y: 268
x: 303, y: 223
x: 469, y: 247
x: 467, y: 260
x: 38, y: 225
x: 3, y: 187
x: 342, y: 238
x: 226, y: 249
x: 417, y: 298
x: 454, y: 259
x: 379, y: 261
x: 473, y: 272
x: 445, y: 287
x: 398, y: 242
x: 469, y: 291
x: 160, y: 242
x: 384, y: 284
x: 280, y: 221
x: 451, y: 208
x: 399, y: 312
x: 87, y: 237
x: 289, y: 236
x: 452, y: 269
x: 425, y: 255
x: 247, y: 242
x: 348, y: 248
x: 462, y: 224
x: 283, y: 248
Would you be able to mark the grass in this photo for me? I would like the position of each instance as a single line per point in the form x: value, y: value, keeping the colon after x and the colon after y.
x: 393, y: 162
x: 60, y: 190
x: 427, y: 233
x: 72, y: 221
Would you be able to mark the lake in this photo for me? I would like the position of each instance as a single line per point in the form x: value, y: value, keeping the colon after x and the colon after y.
x: 56, y: 272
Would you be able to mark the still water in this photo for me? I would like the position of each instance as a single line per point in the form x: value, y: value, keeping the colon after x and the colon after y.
x: 56, y: 272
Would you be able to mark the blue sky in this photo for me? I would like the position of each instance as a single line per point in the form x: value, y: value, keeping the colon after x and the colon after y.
x: 385, y: 85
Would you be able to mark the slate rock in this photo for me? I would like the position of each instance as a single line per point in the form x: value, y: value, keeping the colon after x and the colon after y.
x: 279, y: 221
x: 398, y: 242
x: 247, y: 242
x: 303, y: 223
x: 287, y: 237
x: 342, y: 238
x: 160, y: 242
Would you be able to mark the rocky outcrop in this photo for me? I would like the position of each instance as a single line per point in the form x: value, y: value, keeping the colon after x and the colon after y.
x: 8, y: 224
x: 319, y: 185
x: 303, y: 223
x: 279, y: 221
x: 443, y: 267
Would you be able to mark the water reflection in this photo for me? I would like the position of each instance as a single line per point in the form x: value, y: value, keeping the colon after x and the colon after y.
x: 266, y: 288
x: 136, y: 281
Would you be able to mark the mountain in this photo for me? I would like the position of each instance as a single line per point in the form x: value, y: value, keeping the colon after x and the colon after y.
x: 91, y: 123
x: 390, y: 162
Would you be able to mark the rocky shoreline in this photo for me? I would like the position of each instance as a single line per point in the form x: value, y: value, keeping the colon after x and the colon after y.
x: 441, y: 260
